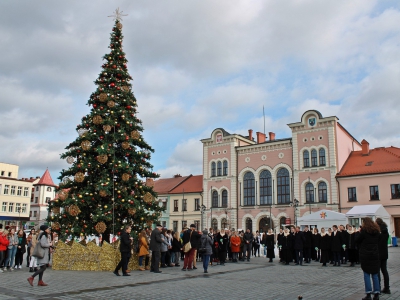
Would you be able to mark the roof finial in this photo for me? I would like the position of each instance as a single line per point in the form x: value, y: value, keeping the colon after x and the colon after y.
x: 117, y: 15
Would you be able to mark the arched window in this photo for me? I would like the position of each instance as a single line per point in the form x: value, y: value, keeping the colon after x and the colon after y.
x: 225, y: 170
x: 282, y: 222
x: 214, y: 199
x: 265, y: 224
x: 248, y: 189
x: 314, y: 158
x: 249, y: 224
x: 322, y: 157
x: 224, y: 223
x: 214, y: 224
x: 283, y: 186
x: 309, y: 192
x: 213, y: 169
x: 322, y: 192
x: 265, y: 187
x: 219, y: 168
x: 306, y: 159
x: 49, y: 189
x: 224, y: 198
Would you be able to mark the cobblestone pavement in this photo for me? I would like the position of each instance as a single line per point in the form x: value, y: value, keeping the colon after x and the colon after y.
x: 256, y: 279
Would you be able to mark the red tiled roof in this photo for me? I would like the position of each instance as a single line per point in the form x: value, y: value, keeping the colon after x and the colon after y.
x: 379, y: 160
x: 194, y: 184
x: 163, y: 186
x: 46, y: 179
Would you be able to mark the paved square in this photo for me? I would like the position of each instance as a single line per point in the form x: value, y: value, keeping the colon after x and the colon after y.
x: 256, y: 279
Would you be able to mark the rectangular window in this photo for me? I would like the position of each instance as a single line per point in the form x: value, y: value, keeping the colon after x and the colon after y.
x: 30, y: 214
x: 176, y: 205
x: 175, y: 226
x: 36, y: 199
x: 37, y: 189
x: 2, y: 173
x: 11, y: 207
x: 4, y: 207
x: 197, y: 223
x: 48, y: 200
x: 184, y: 204
x: 164, y: 224
x: 395, y: 190
x: 18, y: 207
x: 6, y: 189
x: 352, y: 194
x: 19, y: 191
x: 197, y: 204
x: 374, y: 192
x: 184, y: 224
x: 26, y: 191
x: 13, y: 190
x: 164, y: 204
x: 24, y: 207
x: 35, y: 214
x: 9, y: 174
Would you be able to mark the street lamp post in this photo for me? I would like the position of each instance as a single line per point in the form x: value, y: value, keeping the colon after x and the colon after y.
x: 202, y: 209
x: 295, y: 204
x: 19, y: 216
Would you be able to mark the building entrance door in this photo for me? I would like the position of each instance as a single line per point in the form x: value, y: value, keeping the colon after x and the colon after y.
x: 397, y: 227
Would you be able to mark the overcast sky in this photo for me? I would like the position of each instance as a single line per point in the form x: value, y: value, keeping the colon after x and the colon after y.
x: 197, y: 66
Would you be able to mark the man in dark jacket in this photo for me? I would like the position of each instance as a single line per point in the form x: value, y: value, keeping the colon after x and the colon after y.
x: 125, y: 249
x: 298, y: 245
x: 383, y: 254
x: 337, y: 245
x: 307, y: 244
x: 192, y: 236
x: 247, y: 244
x: 155, y: 247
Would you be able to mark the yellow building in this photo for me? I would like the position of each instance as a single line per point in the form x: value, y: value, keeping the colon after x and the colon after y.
x: 15, y: 196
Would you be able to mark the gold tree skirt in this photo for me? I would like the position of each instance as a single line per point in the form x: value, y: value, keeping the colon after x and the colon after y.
x: 89, y: 257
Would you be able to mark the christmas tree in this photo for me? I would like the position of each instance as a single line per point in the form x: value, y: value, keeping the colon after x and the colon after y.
x: 109, y: 183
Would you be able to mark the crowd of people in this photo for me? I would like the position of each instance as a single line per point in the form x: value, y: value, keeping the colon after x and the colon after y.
x: 336, y: 246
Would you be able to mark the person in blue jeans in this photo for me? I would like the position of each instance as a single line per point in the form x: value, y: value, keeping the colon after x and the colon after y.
x: 11, y: 249
x: 368, y: 241
x: 205, y: 245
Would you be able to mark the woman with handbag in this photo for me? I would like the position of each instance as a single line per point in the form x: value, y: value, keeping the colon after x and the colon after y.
x: 21, y: 249
x: 41, y: 251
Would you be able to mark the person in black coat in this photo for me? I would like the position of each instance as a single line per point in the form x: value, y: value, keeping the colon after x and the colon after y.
x: 383, y: 254
x: 345, y: 250
x: 368, y: 241
x: 325, y: 246
x: 298, y: 243
x: 192, y: 236
x: 21, y: 249
x: 315, y: 248
x: 351, y: 244
x: 279, y: 240
x: 155, y: 246
x: 337, y: 245
x: 286, y: 243
x: 223, y: 242
x: 269, y: 242
x: 307, y: 244
x: 125, y: 249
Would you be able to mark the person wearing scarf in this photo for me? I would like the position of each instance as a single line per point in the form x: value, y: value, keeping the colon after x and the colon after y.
x: 325, y: 246
x: 223, y: 241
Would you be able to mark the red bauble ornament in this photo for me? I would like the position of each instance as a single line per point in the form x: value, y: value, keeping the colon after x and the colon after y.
x: 101, y: 107
x: 66, y: 230
x: 118, y: 88
x: 79, y: 151
x: 128, y: 107
x: 112, y: 84
x: 101, y: 137
x: 127, y: 154
x: 114, y: 66
x: 94, y: 105
x: 64, y: 216
x: 126, y: 137
x: 87, y: 125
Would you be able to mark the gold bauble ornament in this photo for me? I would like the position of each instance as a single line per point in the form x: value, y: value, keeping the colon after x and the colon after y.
x: 103, y: 97
x: 85, y: 145
x: 135, y: 134
x: 125, y: 177
x: 97, y: 119
x: 102, y: 158
x: 79, y: 177
x: 100, y: 227
x: 107, y: 128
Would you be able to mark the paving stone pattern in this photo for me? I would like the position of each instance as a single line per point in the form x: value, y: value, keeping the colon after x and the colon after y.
x: 257, y: 279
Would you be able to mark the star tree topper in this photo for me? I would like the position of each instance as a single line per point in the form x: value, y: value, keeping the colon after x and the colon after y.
x: 117, y: 15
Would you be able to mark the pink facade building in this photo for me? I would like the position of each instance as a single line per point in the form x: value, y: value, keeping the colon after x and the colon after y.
x: 372, y: 176
x: 257, y: 181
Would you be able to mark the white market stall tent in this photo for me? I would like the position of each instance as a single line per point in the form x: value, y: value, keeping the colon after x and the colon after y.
x: 358, y: 212
x: 324, y: 218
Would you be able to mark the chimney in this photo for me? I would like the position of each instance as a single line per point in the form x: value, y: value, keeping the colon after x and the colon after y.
x: 272, y: 136
x: 365, y: 147
x: 260, y: 137
x: 250, y: 134
x: 177, y: 175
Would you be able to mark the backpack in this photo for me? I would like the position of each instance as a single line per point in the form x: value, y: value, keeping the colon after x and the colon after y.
x: 202, y: 248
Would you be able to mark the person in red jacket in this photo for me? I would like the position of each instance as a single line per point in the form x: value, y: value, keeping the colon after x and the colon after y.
x: 3, y: 244
x: 235, y: 246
